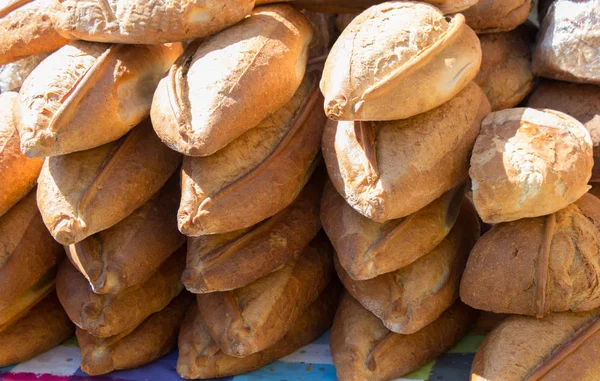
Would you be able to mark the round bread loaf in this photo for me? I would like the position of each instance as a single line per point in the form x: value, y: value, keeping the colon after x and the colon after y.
x: 493, y: 16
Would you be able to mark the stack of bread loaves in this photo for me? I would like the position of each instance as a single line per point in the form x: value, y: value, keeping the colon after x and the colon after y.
x: 404, y: 114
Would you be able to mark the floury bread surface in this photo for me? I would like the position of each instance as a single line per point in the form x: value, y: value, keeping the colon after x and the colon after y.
x: 529, y: 163
x: 356, y: 6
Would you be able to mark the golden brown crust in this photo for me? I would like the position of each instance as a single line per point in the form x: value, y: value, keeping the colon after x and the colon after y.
x: 366, y: 248
x: 363, y: 349
x: 18, y: 173
x: 357, y: 6
x: 504, y: 270
x: 109, y: 315
x: 254, y: 317
x: 224, y: 192
x: 149, y: 341
x: 493, y: 16
x: 414, y: 296
x: 228, y: 261
x: 84, y: 192
x: 88, y: 94
x: 266, y: 51
x: 128, y: 253
x: 43, y: 328
x: 417, y: 159
x: 200, y: 357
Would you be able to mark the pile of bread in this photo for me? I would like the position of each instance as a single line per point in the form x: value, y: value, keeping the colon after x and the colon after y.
x: 166, y: 169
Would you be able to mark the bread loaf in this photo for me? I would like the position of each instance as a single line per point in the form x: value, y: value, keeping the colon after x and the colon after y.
x: 529, y: 163
x: 493, y: 16
x: 505, y: 76
x: 562, y: 346
x: 363, y: 349
x: 128, y: 253
x: 225, y: 192
x: 392, y: 169
x: 14, y: 73
x: 255, y: 317
x: 366, y: 249
x: 398, y: 52
x: 45, y: 326
x: 200, y: 357
x: 109, y: 315
x: 28, y: 261
x: 223, y: 262
x: 149, y: 341
x: 88, y: 94
x: 255, y: 66
x: 146, y: 21
x: 85, y: 192
x: 18, y: 173
x: 412, y: 297
x: 355, y: 6
x: 26, y: 29
x: 568, y: 43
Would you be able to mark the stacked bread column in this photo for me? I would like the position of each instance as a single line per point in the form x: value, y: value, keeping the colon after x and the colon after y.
x: 404, y: 117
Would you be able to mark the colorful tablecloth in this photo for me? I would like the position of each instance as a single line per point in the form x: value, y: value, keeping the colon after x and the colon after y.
x: 311, y: 363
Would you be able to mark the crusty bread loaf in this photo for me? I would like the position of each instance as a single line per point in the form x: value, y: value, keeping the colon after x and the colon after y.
x: 88, y: 94
x: 109, y: 315
x: 223, y: 262
x: 493, y: 16
x: 398, y: 53
x: 505, y: 76
x: 28, y: 261
x: 200, y: 357
x: 85, y: 192
x: 366, y: 249
x: 389, y: 170
x: 255, y: 317
x: 562, y: 346
x: 535, y: 266
x: 529, y: 163
x: 18, y: 173
x: 363, y: 349
x: 355, y: 6
x: 414, y: 296
x: 128, y: 253
x: 149, y: 341
x: 45, y: 326
x: 146, y: 21
x: 255, y: 67
x: 568, y: 43
x: 226, y: 191
x: 26, y: 29
x: 14, y: 73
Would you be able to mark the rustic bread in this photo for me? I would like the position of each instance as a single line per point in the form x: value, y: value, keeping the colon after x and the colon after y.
x: 149, y: 341
x: 28, y: 261
x: 414, y: 296
x: 200, y: 357
x: 18, y: 173
x: 535, y: 266
x: 146, y: 21
x: 568, y: 44
x: 225, y: 192
x: 529, y: 163
x: 255, y: 317
x: 88, y: 94
x: 562, y: 346
x: 580, y: 101
x: 85, y: 192
x: 109, y: 315
x: 505, y: 76
x: 128, y: 253
x: 45, y: 326
x: 255, y: 66
x: 224, y: 262
x: 355, y: 6
x: 14, y: 73
x: 493, y: 16
x: 398, y: 52
x: 26, y: 29
x: 366, y: 249
x: 363, y: 349
x: 388, y: 170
